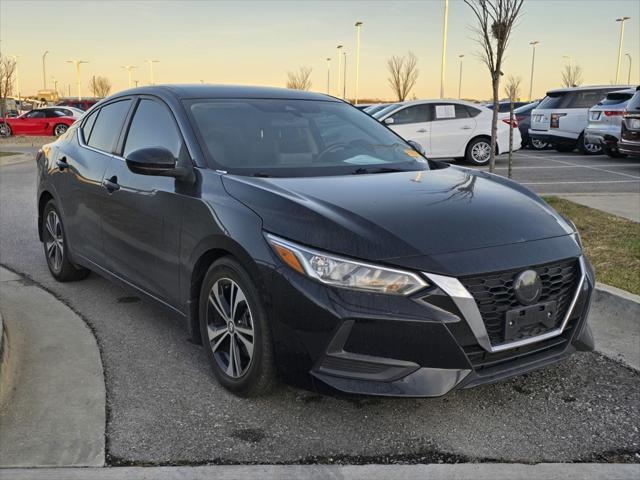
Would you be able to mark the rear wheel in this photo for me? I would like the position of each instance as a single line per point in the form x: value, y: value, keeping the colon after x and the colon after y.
x: 538, y: 144
x: 60, y: 129
x: 56, y: 247
x: 614, y: 152
x: 234, y: 329
x: 588, y: 148
x: 478, y: 151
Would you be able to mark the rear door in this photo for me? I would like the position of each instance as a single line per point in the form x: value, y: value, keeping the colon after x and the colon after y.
x: 142, y: 218
x: 413, y: 123
x: 451, y: 129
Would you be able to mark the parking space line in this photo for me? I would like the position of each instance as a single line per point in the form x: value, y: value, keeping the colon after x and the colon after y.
x: 579, y: 183
x: 535, y: 167
x: 595, y: 168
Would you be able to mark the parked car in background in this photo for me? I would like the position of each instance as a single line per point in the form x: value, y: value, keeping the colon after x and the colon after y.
x: 296, y: 236
x: 362, y: 106
x: 605, y: 121
x: 629, y: 143
x: 83, y: 104
x: 376, y: 108
x: 562, y: 117
x: 449, y: 129
x: 41, y: 121
x: 522, y: 115
x: 505, y: 105
x: 67, y: 111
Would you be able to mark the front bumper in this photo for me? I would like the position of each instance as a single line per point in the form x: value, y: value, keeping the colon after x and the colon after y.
x: 422, y: 346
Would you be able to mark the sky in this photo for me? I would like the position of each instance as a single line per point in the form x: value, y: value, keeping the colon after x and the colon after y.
x: 257, y: 42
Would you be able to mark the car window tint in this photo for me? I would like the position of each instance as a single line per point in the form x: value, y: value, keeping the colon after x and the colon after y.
x: 461, y: 111
x: 88, y: 125
x: 36, y: 114
x: 616, y: 98
x: 585, y: 98
x: 552, y: 100
x: 412, y: 114
x: 472, y: 111
x: 153, y: 126
x: 107, y: 125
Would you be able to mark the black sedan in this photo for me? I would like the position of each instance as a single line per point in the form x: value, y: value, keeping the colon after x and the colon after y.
x: 298, y: 237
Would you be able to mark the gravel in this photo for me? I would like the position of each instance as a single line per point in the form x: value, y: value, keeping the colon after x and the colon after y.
x: 164, y: 407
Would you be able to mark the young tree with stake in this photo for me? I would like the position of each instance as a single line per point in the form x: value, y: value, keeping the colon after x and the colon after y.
x: 512, y: 89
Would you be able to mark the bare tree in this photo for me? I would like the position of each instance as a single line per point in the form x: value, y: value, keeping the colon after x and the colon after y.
x: 403, y: 74
x: 7, y: 71
x: 572, y: 76
x: 496, y: 19
x: 100, y: 86
x: 512, y: 89
x: 300, y: 80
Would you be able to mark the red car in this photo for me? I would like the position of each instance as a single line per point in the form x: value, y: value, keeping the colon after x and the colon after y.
x: 46, y: 121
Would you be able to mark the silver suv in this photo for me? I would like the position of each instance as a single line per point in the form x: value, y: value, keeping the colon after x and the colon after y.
x: 605, y: 121
x: 562, y: 117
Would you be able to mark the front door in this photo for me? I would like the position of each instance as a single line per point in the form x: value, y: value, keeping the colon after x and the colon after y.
x: 142, y: 219
x: 412, y: 123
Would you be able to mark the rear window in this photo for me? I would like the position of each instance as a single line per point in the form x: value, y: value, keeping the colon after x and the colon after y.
x: 615, y: 98
x: 585, y: 98
x: 552, y: 100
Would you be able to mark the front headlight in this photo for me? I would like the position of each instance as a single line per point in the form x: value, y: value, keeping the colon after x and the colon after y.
x: 344, y: 273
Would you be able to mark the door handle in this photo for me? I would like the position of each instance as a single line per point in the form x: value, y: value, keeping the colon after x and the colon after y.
x: 61, y: 163
x: 111, y: 184
x: 422, y: 130
x: 467, y: 127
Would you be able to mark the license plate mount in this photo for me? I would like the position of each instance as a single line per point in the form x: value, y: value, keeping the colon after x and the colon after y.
x: 529, y: 321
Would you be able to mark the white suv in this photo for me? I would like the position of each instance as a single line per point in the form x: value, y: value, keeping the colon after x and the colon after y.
x: 562, y: 117
x: 449, y: 129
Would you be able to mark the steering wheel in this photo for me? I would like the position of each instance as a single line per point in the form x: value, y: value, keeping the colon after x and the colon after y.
x: 329, y: 149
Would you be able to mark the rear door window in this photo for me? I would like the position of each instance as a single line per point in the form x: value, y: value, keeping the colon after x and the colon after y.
x: 107, y: 126
x: 412, y: 114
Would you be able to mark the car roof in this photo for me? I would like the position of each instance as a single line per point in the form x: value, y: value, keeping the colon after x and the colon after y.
x: 587, y: 87
x: 439, y: 100
x: 187, y: 91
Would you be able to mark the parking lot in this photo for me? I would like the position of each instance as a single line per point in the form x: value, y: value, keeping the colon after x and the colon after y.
x: 164, y: 407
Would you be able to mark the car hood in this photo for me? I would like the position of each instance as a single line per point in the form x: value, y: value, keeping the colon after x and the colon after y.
x: 396, y: 215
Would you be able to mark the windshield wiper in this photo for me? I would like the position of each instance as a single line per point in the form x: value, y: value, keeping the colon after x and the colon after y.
x: 362, y: 170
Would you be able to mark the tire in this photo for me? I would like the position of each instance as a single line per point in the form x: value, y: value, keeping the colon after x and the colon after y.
x: 60, y: 129
x: 588, y: 148
x: 253, y: 375
x: 614, y: 152
x: 564, y: 148
x: 478, y: 152
x: 536, y: 144
x: 5, y: 130
x: 56, y: 247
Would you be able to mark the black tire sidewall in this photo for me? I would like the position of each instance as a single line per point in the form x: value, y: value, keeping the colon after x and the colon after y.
x: 259, y: 374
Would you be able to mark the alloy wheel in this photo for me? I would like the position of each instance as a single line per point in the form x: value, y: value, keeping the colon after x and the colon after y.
x: 54, y: 241
x: 480, y: 152
x: 592, y: 147
x: 539, y: 144
x: 5, y: 130
x: 230, y: 327
x: 59, y: 130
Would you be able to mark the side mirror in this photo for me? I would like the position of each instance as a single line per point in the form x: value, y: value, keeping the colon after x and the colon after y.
x: 153, y: 161
x: 417, y: 147
x: 389, y: 121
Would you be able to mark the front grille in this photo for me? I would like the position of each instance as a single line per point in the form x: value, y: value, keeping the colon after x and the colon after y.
x: 494, y: 293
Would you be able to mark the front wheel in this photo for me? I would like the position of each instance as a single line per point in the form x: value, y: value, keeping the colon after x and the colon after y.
x: 478, y: 152
x: 56, y: 247
x: 60, y: 129
x: 234, y: 330
x: 5, y: 130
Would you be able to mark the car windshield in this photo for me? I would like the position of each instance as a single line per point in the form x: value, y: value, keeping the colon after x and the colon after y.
x: 281, y: 138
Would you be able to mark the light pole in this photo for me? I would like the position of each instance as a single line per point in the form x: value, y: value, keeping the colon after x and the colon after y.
x: 339, y: 56
x: 136, y: 82
x: 533, y: 62
x: 328, y: 75
x: 77, y: 64
x: 358, y: 25
x: 460, y: 79
x: 621, y: 20
x: 629, y: 74
x: 444, y: 47
x: 151, y: 62
x: 15, y: 59
x: 129, y: 68
x: 344, y: 76
x: 55, y: 86
x: 44, y: 70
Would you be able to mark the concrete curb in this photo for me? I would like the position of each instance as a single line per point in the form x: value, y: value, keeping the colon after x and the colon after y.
x: 484, y: 471
x: 615, y: 321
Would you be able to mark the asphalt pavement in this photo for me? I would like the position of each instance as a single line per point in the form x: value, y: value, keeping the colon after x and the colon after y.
x: 165, y: 408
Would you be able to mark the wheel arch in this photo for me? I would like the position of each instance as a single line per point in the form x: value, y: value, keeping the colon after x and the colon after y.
x: 481, y: 135
x: 45, y: 196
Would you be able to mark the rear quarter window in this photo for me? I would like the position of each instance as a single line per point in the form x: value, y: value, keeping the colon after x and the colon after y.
x: 616, y: 98
x: 553, y: 100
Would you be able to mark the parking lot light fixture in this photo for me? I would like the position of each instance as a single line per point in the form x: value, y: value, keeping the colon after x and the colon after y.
x: 358, y: 25
x: 129, y: 69
x: 44, y: 70
x: 151, y: 62
x: 77, y: 64
x: 55, y: 86
x: 339, y: 55
x: 328, y: 75
x: 629, y: 74
x: 533, y: 63
x: 460, y: 78
x: 444, y: 47
x: 621, y: 20
x: 344, y: 76
x: 17, y: 74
